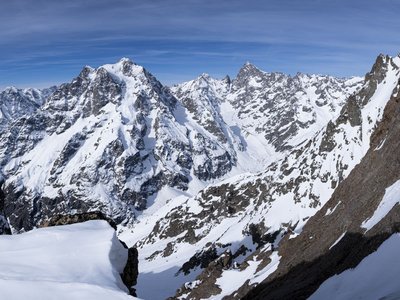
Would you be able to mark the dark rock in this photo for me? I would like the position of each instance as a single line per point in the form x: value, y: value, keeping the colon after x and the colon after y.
x: 257, y: 232
x: 131, y: 270
x: 201, y: 259
x: 4, y: 226
x: 78, y: 218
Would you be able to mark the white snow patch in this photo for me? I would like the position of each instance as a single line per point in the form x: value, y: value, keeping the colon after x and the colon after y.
x: 380, y: 145
x: 330, y: 211
x: 338, y: 240
x: 389, y: 200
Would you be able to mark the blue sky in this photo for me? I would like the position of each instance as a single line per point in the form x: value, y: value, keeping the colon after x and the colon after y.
x: 48, y: 42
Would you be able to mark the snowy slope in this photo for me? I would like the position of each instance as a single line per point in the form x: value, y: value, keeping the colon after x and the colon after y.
x: 374, y: 278
x: 389, y: 200
x: 80, y: 261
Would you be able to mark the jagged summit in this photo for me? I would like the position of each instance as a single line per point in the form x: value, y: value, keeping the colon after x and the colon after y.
x: 249, y: 65
x: 10, y: 89
x: 120, y: 70
x: 204, y: 76
x: 125, y: 67
x: 227, y: 79
x: 127, y: 60
x: 247, y: 70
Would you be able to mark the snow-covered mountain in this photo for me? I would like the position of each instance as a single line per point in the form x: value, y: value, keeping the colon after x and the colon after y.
x: 212, y: 180
x: 114, y: 137
x: 267, y: 111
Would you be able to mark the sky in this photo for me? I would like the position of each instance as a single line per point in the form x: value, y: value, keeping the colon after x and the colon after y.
x: 47, y: 42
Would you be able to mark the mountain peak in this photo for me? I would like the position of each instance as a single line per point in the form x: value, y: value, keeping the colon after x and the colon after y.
x: 227, y: 79
x: 125, y: 60
x: 125, y: 67
x: 11, y: 89
x: 86, y: 71
x: 248, y: 65
x: 205, y: 76
x: 248, y: 69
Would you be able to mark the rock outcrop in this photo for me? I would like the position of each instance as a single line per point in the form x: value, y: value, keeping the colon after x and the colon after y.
x: 78, y: 218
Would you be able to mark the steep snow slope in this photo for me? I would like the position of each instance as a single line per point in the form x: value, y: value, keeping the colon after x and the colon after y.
x: 372, y: 279
x: 255, y: 211
x: 80, y: 261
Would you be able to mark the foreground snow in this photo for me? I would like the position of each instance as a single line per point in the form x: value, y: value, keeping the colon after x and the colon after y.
x: 80, y: 261
x: 373, y: 278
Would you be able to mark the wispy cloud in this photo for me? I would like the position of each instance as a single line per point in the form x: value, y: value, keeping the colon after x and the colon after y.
x: 37, y: 38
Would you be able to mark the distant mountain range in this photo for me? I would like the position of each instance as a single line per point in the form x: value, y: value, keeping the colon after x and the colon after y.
x: 260, y: 187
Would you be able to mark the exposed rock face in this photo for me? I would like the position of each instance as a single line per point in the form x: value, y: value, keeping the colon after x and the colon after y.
x: 78, y: 218
x: 212, y: 270
x: 131, y: 270
x: 4, y: 226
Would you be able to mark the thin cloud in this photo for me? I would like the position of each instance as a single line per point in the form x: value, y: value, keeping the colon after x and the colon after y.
x: 39, y: 36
